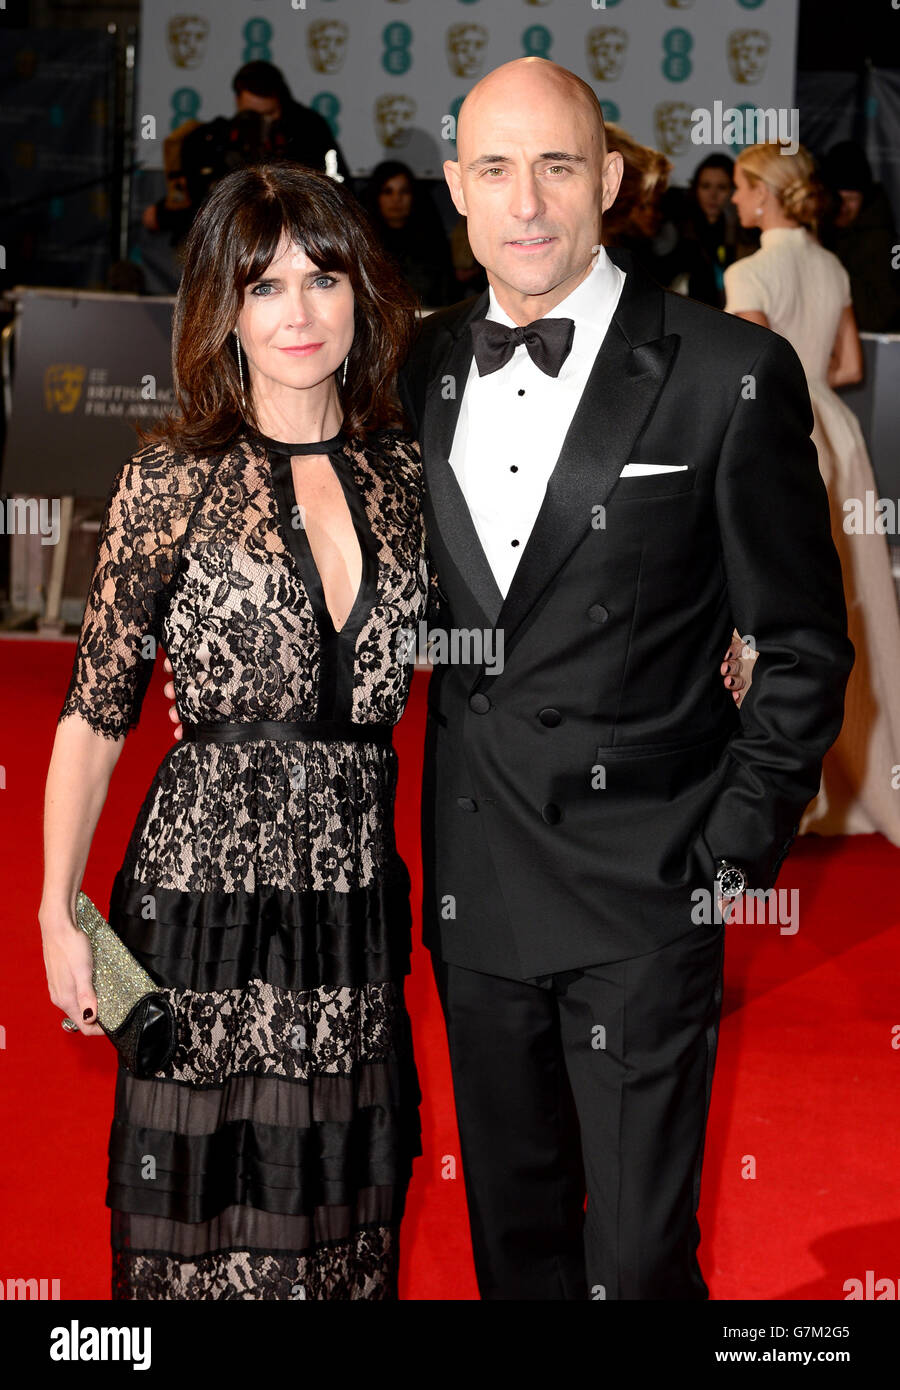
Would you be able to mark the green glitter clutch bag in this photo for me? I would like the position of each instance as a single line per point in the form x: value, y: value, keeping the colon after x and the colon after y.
x: 130, y: 1009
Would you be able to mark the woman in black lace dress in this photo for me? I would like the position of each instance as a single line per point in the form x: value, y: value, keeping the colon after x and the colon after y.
x: 270, y: 539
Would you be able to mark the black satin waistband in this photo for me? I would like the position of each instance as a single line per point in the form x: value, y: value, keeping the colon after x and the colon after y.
x: 319, y: 730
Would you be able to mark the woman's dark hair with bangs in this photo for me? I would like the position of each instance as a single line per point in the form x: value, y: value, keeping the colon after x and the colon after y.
x: 235, y: 237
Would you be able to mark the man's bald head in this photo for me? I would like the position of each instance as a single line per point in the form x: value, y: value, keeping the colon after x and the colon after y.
x: 524, y: 80
x: 532, y: 175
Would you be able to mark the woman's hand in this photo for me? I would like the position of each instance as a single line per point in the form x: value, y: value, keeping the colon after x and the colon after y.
x: 68, y: 960
x: 737, y: 668
x: 169, y: 692
x: 81, y: 764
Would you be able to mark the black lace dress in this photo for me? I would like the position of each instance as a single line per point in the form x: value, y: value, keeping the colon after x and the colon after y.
x: 261, y: 886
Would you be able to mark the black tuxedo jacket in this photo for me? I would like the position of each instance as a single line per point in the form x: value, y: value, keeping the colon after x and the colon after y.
x: 576, y: 800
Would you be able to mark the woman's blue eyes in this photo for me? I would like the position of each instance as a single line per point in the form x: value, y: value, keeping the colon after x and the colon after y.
x: 266, y: 285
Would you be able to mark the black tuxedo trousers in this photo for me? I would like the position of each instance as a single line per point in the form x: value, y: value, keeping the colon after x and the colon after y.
x: 591, y: 1082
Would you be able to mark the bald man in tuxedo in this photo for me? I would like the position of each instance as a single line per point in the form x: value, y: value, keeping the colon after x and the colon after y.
x: 615, y: 478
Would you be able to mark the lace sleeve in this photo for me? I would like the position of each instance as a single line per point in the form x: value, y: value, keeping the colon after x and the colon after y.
x: 136, y: 557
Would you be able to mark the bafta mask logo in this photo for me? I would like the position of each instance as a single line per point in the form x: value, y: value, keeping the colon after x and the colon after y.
x: 606, y: 48
x: 186, y: 36
x: 326, y: 42
x: 62, y: 386
x: 465, y: 48
x: 748, y: 51
x: 393, y: 116
x: 672, y: 123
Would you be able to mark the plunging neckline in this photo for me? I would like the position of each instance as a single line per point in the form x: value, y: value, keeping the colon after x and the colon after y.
x: 337, y: 646
x: 297, y: 538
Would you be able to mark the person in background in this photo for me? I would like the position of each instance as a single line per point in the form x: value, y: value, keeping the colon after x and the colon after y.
x: 268, y: 124
x: 410, y: 230
x: 635, y: 219
x: 862, y: 234
x: 796, y: 287
x: 707, y: 231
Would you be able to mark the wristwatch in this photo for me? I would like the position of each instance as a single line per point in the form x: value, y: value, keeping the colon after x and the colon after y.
x: 730, y: 880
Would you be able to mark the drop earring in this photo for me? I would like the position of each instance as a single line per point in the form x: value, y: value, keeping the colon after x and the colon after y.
x: 344, y: 373
x: 240, y: 368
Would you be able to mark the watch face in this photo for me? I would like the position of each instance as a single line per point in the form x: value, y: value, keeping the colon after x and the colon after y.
x: 731, y: 882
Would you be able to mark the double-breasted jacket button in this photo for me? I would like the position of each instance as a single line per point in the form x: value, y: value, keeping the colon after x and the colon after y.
x: 466, y: 803
x: 551, y: 717
x: 551, y: 813
x: 597, y: 613
x: 479, y: 703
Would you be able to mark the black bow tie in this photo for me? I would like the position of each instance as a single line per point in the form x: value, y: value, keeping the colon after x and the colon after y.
x: 547, y: 341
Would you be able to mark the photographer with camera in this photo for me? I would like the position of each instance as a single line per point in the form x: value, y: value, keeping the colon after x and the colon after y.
x: 268, y: 125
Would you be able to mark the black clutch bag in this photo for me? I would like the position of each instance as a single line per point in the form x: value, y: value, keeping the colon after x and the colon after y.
x: 132, y: 1013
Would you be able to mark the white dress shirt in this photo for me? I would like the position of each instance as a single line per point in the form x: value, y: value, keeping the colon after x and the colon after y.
x: 512, y: 423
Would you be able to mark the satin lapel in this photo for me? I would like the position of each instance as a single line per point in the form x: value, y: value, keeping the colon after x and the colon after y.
x: 447, y: 512
x: 627, y: 376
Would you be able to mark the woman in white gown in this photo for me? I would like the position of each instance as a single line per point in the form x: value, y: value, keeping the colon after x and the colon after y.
x: 797, y: 288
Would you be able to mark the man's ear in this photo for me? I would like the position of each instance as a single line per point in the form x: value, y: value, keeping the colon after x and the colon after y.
x: 613, y: 169
x: 454, y: 183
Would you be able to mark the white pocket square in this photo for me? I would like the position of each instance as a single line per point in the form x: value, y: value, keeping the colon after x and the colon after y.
x: 643, y: 470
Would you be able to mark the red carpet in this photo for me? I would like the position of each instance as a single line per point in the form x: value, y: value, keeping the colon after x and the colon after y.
x: 805, y: 1091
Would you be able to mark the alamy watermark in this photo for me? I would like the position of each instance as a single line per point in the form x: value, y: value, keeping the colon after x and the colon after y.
x: 774, y: 906
x: 871, y: 515
x: 455, y: 646
x: 30, y: 516
x: 746, y: 125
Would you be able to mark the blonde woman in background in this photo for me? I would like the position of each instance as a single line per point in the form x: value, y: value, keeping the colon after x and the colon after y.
x: 797, y: 288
